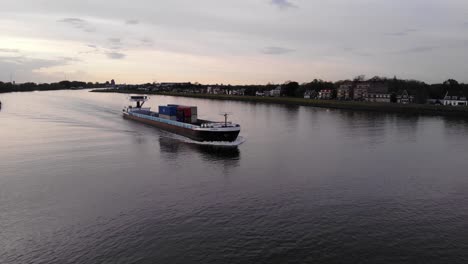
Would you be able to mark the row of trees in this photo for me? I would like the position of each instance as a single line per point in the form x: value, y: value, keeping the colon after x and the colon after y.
x: 63, y: 85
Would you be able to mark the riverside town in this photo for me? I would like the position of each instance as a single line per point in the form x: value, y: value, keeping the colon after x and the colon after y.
x: 376, y: 89
x: 374, y: 94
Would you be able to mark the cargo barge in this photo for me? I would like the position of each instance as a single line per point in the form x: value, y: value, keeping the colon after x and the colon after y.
x: 181, y: 120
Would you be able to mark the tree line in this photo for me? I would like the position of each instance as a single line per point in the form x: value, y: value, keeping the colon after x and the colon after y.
x: 63, y: 85
x: 420, y: 90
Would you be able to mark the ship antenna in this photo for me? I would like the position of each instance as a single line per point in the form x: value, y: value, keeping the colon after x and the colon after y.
x: 225, y: 114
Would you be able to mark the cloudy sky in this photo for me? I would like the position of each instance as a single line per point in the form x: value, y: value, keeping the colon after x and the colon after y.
x: 232, y: 41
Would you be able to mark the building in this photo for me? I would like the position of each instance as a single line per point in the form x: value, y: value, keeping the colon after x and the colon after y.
x: 372, y: 91
x: 276, y: 92
x: 310, y: 94
x: 360, y: 91
x: 378, y: 92
x: 379, y: 97
x: 238, y: 92
x: 434, y: 101
x: 344, y: 92
x: 258, y: 93
x: 173, y: 84
x: 325, y: 94
x: 405, y: 98
x: 454, y: 99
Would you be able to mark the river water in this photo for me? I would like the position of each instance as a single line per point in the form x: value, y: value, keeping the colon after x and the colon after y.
x: 79, y: 184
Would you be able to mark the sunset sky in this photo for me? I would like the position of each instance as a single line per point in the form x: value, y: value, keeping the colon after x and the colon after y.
x: 232, y: 41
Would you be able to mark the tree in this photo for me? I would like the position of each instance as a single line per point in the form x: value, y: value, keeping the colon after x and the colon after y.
x: 359, y: 78
x: 289, y: 88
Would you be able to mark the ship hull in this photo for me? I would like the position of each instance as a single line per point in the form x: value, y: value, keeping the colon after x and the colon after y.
x: 194, y: 134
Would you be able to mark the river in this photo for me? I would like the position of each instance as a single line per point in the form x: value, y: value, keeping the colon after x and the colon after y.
x: 80, y: 184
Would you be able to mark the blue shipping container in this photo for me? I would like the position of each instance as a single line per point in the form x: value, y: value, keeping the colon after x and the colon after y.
x: 172, y: 110
x: 168, y: 110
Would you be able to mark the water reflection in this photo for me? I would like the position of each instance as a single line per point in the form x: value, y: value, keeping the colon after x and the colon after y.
x: 375, y: 127
x: 455, y: 126
x: 174, y: 147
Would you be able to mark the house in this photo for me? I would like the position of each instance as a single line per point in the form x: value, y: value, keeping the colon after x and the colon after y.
x: 379, y: 97
x: 434, y: 101
x: 276, y: 92
x: 238, y: 92
x: 310, y: 94
x: 344, y: 92
x: 325, y: 94
x: 258, y: 93
x: 360, y: 91
x: 378, y: 92
x: 454, y: 99
x: 405, y: 98
x: 218, y: 91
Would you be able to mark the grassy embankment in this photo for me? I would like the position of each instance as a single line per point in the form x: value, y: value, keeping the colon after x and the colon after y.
x: 352, y: 105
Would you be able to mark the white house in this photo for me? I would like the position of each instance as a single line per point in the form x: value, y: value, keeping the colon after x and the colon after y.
x: 276, y: 92
x: 454, y: 100
x: 405, y: 98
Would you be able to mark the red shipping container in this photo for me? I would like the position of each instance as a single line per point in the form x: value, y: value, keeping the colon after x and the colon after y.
x: 187, y: 110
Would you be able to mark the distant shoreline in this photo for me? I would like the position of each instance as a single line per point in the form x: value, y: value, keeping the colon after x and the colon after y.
x: 419, y: 109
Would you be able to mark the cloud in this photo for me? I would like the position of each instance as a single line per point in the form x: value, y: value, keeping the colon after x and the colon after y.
x: 402, y: 33
x: 67, y: 60
x: 6, y: 50
x: 283, y: 4
x: 132, y: 22
x: 147, y: 42
x: 29, y: 69
x: 276, y: 50
x: 115, y: 44
x: 357, y: 52
x: 115, y: 55
x: 111, y: 52
x: 419, y: 49
x: 115, y: 40
x: 78, y: 23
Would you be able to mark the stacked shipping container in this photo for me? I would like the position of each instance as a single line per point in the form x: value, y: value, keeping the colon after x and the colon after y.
x: 186, y: 114
x: 168, y: 112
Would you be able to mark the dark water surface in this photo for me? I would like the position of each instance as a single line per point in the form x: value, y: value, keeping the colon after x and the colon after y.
x: 79, y: 184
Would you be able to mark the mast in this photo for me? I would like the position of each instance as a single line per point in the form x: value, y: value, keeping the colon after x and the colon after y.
x: 140, y: 100
x: 225, y: 114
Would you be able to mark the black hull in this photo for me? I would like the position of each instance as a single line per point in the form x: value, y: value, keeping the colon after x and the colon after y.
x: 197, y: 135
